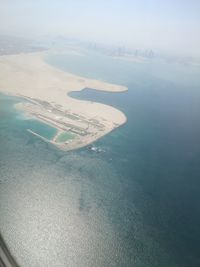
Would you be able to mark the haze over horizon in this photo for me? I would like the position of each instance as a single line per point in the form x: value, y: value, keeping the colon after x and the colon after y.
x: 171, y: 25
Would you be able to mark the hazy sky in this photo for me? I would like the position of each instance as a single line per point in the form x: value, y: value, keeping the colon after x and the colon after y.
x: 165, y: 24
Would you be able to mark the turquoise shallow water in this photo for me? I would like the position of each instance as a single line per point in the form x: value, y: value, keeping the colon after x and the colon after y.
x: 42, y: 129
x: 136, y: 204
x: 20, y: 121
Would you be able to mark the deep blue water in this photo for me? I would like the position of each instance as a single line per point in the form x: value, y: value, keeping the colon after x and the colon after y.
x: 136, y: 204
x: 159, y: 147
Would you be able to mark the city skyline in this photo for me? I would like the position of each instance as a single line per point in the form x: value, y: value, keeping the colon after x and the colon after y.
x: 171, y: 26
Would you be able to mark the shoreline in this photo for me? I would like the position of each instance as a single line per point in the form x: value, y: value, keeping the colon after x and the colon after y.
x: 46, y: 91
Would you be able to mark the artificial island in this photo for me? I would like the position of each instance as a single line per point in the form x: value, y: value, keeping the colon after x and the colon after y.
x: 46, y: 89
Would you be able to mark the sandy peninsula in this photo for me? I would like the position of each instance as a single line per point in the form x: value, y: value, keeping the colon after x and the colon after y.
x: 46, y: 88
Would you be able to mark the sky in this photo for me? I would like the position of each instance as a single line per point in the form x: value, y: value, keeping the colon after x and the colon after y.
x: 172, y: 25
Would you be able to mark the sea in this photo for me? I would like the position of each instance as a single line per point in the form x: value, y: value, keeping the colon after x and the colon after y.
x: 133, y: 202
